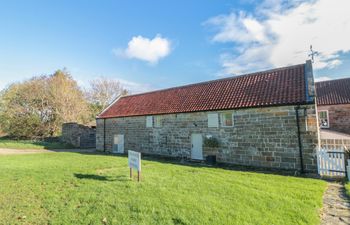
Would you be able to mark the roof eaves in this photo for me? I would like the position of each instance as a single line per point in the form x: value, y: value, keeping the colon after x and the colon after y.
x: 221, y: 109
x: 109, y: 106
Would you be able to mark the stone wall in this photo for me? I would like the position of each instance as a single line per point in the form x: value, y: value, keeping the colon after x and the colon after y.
x: 263, y: 137
x: 339, y: 117
x: 100, y: 146
x: 78, y: 135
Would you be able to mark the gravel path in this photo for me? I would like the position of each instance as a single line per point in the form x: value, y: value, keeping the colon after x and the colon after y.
x: 6, y: 151
x: 336, y: 206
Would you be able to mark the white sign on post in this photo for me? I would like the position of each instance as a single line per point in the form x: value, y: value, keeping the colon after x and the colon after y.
x: 134, y: 161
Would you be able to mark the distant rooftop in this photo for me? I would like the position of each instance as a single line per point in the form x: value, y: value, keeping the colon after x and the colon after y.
x: 333, y: 92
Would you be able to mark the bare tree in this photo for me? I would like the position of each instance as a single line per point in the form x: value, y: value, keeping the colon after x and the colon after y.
x: 103, y: 91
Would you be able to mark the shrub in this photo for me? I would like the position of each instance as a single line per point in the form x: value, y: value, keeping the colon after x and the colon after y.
x: 211, y: 142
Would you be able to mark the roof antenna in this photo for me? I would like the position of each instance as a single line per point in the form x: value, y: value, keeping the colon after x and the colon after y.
x: 312, y: 54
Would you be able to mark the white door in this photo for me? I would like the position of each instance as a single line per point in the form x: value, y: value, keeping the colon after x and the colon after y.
x: 197, y: 146
x: 118, y: 145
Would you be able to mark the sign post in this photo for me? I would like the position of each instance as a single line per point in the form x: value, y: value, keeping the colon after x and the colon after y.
x: 134, y: 161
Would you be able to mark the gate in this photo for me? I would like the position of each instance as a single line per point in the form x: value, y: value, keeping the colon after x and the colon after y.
x: 331, y: 162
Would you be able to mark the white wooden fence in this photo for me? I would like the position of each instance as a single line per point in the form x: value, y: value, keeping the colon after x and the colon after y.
x: 348, y: 169
x: 331, y: 162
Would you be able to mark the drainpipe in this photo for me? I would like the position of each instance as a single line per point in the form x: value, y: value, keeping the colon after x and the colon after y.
x: 299, y: 139
x: 104, y: 135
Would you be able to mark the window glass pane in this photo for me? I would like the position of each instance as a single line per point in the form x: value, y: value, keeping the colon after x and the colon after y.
x: 157, y: 121
x: 213, y: 120
x: 323, y: 117
x: 227, y: 119
x: 149, y: 120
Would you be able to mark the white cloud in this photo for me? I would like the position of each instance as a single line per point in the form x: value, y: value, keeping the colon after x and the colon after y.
x: 240, y: 28
x: 149, y: 50
x: 135, y: 87
x: 324, y: 78
x: 279, y: 33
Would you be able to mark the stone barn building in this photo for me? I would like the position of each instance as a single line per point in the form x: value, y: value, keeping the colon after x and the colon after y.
x: 263, y: 119
x: 333, y: 105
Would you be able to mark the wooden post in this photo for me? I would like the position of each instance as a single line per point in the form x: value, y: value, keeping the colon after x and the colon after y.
x: 130, y: 173
x: 138, y: 176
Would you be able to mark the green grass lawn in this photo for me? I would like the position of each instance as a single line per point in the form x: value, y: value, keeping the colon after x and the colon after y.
x: 72, y: 188
x: 28, y: 144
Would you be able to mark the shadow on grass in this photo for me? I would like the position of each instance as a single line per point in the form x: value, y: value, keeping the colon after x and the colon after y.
x: 85, y: 151
x: 101, y: 178
x: 52, y: 143
x: 225, y: 166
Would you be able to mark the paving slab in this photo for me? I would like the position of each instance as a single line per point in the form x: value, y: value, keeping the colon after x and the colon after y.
x: 336, y: 205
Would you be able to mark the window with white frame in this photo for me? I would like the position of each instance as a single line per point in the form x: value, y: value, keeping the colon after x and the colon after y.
x: 306, y: 121
x: 227, y: 119
x: 157, y: 121
x: 323, y: 119
x: 149, y: 121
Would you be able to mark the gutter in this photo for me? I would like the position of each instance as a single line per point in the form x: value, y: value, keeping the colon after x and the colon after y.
x: 299, y: 139
x: 208, y: 110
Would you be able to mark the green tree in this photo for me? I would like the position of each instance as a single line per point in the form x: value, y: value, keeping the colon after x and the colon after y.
x: 67, y: 99
x: 38, y: 107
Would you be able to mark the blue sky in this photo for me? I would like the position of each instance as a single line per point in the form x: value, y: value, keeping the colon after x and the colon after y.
x: 156, y: 44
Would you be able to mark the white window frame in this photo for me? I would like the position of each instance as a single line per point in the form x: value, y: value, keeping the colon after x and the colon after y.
x: 157, y: 120
x: 149, y: 121
x: 306, y: 121
x: 213, y: 120
x: 222, y: 119
x: 319, y: 119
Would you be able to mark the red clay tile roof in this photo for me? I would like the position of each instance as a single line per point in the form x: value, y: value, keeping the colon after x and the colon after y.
x: 283, y: 86
x: 333, y: 92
